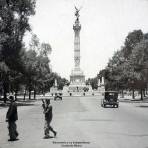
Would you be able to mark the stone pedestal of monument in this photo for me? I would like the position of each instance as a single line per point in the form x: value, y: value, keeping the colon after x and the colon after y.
x: 77, y: 80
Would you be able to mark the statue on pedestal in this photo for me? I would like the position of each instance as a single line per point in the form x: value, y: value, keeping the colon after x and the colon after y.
x: 77, y: 13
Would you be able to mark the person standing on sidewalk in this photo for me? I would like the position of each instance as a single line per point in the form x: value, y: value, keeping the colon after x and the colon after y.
x: 11, y: 118
x: 48, y: 118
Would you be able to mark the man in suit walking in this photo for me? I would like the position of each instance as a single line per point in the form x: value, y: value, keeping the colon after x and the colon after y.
x: 11, y: 118
x: 48, y: 118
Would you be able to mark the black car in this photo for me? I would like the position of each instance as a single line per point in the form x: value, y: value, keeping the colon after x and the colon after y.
x: 58, y: 96
x: 110, y: 99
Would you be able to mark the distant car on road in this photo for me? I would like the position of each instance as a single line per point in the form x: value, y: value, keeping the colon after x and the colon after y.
x: 58, y: 96
x: 110, y: 98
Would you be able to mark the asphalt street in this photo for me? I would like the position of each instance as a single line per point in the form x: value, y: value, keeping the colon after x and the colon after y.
x: 80, y: 122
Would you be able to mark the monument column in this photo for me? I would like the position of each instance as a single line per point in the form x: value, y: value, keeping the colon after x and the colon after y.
x: 77, y: 78
x: 77, y: 28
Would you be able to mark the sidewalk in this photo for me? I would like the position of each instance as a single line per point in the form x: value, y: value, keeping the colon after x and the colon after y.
x: 21, y: 102
x: 137, y: 99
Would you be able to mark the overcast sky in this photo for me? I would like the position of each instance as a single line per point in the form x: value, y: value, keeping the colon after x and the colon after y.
x: 105, y: 24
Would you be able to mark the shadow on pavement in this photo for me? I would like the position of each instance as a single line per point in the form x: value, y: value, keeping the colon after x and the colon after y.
x: 126, y: 134
x: 143, y: 106
x: 48, y: 137
x: 110, y: 107
x: 98, y: 120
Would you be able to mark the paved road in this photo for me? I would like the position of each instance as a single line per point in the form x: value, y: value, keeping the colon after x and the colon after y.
x: 81, y: 122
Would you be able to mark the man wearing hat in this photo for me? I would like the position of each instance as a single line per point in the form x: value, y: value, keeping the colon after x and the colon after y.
x: 48, y: 118
x: 11, y: 118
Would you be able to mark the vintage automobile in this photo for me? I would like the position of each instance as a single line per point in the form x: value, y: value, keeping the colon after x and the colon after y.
x: 58, y: 96
x: 110, y: 98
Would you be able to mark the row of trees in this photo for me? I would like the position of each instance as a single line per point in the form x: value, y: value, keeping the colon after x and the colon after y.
x: 38, y: 76
x: 14, y: 17
x: 128, y: 68
x: 93, y: 82
x: 23, y: 68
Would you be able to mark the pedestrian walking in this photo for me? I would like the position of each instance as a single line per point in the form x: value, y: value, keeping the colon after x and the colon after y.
x: 47, y: 107
x: 11, y: 118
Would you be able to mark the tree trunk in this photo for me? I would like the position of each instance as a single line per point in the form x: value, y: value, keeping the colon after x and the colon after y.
x: 141, y: 94
x: 5, y: 95
x: 15, y: 95
x: 29, y: 94
x: 25, y: 94
x: 5, y: 92
x: 34, y: 94
x: 133, y: 94
x: 144, y: 93
x: 122, y: 93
